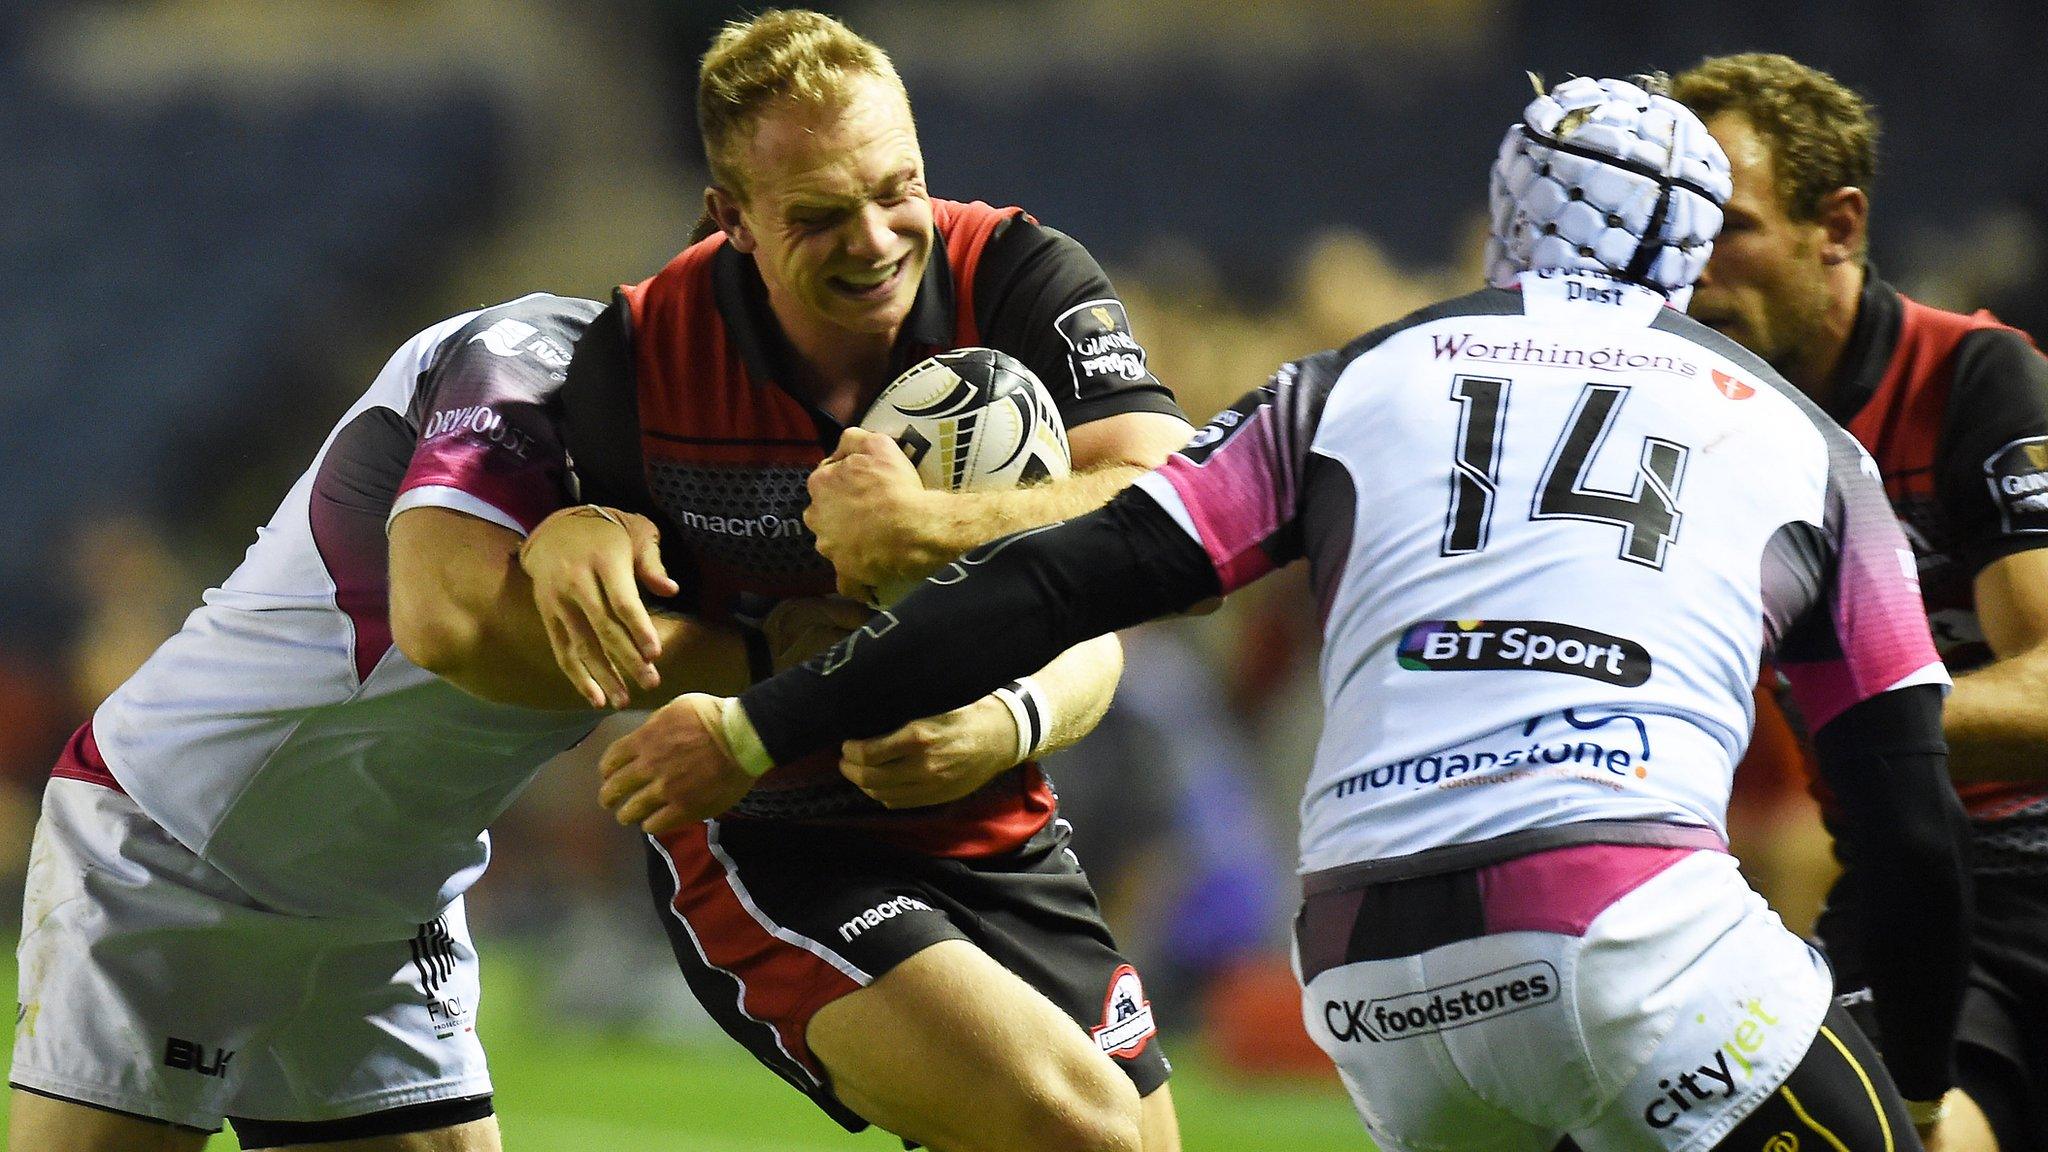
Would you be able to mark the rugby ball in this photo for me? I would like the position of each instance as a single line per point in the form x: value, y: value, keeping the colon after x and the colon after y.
x: 973, y: 420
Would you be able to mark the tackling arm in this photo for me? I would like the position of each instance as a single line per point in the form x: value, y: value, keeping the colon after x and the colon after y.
x: 878, y: 525
x: 462, y: 608
x: 1900, y: 912
x: 945, y: 757
x: 1108, y: 455
x: 998, y: 613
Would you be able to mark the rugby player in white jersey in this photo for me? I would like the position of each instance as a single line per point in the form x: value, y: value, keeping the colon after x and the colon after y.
x: 244, y: 901
x: 1585, y: 519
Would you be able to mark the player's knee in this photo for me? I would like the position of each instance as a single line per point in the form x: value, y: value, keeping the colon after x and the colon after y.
x: 1087, y: 1130
x: 1036, y: 1113
x: 1054, y: 1106
x: 1087, y: 1109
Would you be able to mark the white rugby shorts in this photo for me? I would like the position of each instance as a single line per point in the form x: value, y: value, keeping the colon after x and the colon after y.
x: 1677, y: 1010
x: 150, y: 984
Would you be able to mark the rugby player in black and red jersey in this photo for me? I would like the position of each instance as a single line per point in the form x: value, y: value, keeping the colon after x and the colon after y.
x: 853, y: 949
x: 1954, y: 408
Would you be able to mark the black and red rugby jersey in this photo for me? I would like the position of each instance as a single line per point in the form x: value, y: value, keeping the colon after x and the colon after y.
x: 1954, y: 408
x: 678, y: 406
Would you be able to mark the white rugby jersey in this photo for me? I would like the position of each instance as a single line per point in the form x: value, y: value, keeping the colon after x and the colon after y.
x: 1552, y: 532
x: 280, y: 735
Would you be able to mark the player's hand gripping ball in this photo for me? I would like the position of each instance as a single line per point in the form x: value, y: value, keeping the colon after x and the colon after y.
x: 970, y: 420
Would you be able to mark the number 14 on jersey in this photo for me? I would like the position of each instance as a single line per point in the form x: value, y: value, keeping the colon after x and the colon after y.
x: 1647, y: 514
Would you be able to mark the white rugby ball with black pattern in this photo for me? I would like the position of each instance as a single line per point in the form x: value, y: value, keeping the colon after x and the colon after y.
x: 973, y: 420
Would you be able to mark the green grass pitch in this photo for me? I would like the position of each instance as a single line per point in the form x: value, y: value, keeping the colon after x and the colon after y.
x: 563, y: 1088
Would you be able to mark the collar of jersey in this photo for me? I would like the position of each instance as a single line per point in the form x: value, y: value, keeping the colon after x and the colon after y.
x: 749, y: 321
x: 1867, y: 355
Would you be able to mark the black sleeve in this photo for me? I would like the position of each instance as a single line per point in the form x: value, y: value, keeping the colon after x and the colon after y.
x: 1040, y: 296
x: 1993, y: 477
x: 1001, y: 611
x: 1898, y: 920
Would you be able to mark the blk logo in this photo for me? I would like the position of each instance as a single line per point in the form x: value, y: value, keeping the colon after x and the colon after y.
x: 189, y: 1056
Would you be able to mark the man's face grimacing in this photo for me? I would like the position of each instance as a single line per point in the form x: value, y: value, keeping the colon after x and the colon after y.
x: 1765, y: 285
x: 835, y: 211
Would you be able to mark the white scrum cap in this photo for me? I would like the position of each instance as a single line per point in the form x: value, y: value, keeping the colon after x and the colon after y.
x: 1603, y: 176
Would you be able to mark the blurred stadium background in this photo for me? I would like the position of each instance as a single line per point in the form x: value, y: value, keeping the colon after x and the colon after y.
x: 217, y: 218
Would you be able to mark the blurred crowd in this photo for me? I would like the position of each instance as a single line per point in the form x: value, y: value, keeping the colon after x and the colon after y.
x: 578, y: 173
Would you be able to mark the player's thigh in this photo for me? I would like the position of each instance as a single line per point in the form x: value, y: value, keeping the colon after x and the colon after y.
x: 772, y: 925
x: 952, y: 1049
x: 1837, y: 1096
x: 1653, y: 968
x: 1159, y: 1122
x: 135, y: 994
x: 152, y: 985
x: 35, y: 1121
x: 1695, y: 963
x: 382, y: 1037
x: 473, y: 1136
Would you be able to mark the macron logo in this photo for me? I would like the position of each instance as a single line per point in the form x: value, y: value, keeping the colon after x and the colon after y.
x: 886, y: 910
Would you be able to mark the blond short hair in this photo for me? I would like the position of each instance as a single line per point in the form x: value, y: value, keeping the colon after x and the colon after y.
x: 790, y: 56
x: 1821, y: 134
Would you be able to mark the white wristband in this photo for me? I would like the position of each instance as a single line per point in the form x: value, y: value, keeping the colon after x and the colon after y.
x: 1032, y: 712
x: 741, y: 738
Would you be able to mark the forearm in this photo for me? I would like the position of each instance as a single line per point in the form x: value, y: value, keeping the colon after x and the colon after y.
x: 956, y: 522
x: 506, y: 657
x: 462, y: 608
x: 1900, y: 914
x: 1078, y: 686
x: 1002, y: 611
x: 1994, y: 722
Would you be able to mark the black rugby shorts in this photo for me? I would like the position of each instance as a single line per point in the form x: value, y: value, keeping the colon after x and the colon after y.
x: 771, y: 921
